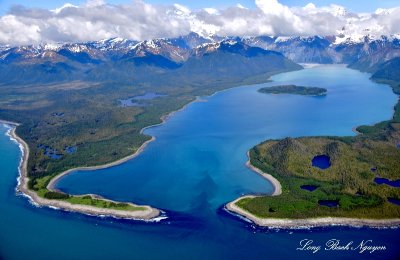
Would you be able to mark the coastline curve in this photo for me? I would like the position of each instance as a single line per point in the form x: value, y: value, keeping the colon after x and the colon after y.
x: 232, y: 208
x: 146, y: 213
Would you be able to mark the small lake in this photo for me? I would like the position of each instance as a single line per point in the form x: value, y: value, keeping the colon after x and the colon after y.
x: 136, y: 101
x: 394, y: 201
x: 329, y: 203
x: 197, y: 164
x: 54, y: 153
x: 309, y: 187
x: 71, y: 149
x: 395, y: 183
x: 50, y: 152
x: 321, y: 161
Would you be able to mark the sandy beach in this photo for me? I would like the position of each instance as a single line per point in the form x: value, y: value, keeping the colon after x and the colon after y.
x: 300, y: 223
x: 354, y: 129
x: 147, y: 214
x: 275, y: 183
x: 310, y: 222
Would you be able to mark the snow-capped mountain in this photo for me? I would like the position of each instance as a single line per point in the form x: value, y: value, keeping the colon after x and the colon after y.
x: 331, y: 49
x: 231, y: 45
x: 161, y: 47
x: 114, y: 44
x: 146, y: 61
x: 300, y: 49
x: 191, y: 41
x: 360, y: 52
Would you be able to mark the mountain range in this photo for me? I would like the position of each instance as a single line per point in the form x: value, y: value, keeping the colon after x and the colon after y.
x: 189, y: 56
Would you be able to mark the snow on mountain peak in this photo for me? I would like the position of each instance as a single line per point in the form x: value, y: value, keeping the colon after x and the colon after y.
x: 151, y: 44
x: 360, y: 38
x: 77, y: 48
x: 282, y: 39
x: 118, y: 40
x: 52, y: 46
x: 230, y: 42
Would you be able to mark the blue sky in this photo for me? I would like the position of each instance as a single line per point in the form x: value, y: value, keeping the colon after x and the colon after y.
x: 354, y: 5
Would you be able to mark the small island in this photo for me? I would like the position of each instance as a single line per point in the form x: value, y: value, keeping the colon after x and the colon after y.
x: 293, y: 89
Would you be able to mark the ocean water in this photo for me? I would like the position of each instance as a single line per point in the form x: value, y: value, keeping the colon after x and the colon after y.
x: 195, y: 166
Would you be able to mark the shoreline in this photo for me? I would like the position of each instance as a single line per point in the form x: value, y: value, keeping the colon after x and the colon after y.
x: 148, y: 214
x: 308, y: 222
x: 275, y: 183
x: 354, y: 130
x: 51, y: 185
x: 55, y: 179
x: 22, y: 186
x: 232, y: 208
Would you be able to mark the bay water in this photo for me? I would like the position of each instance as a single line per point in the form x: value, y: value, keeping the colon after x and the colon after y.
x: 195, y: 166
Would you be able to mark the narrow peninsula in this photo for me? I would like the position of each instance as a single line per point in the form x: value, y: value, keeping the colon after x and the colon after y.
x: 293, y: 89
x: 89, y: 204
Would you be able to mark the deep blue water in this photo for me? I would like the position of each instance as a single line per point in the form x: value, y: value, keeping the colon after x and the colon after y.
x: 329, y: 203
x: 395, y: 183
x: 195, y: 166
x: 394, y: 201
x: 321, y: 161
x: 309, y: 187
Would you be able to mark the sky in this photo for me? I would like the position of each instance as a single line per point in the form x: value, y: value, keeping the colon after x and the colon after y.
x: 353, y: 5
x: 27, y: 21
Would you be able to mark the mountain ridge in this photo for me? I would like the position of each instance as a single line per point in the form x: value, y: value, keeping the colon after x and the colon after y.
x: 191, y: 41
x: 126, y: 59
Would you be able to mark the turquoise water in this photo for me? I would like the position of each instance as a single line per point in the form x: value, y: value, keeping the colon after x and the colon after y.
x: 195, y: 166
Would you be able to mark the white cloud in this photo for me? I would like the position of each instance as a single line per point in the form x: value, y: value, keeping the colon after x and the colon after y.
x: 273, y: 7
x: 67, y: 5
x: 13, y: 28
x: 211, y: 11
x: 139, y: 20
x: 94, y: 3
